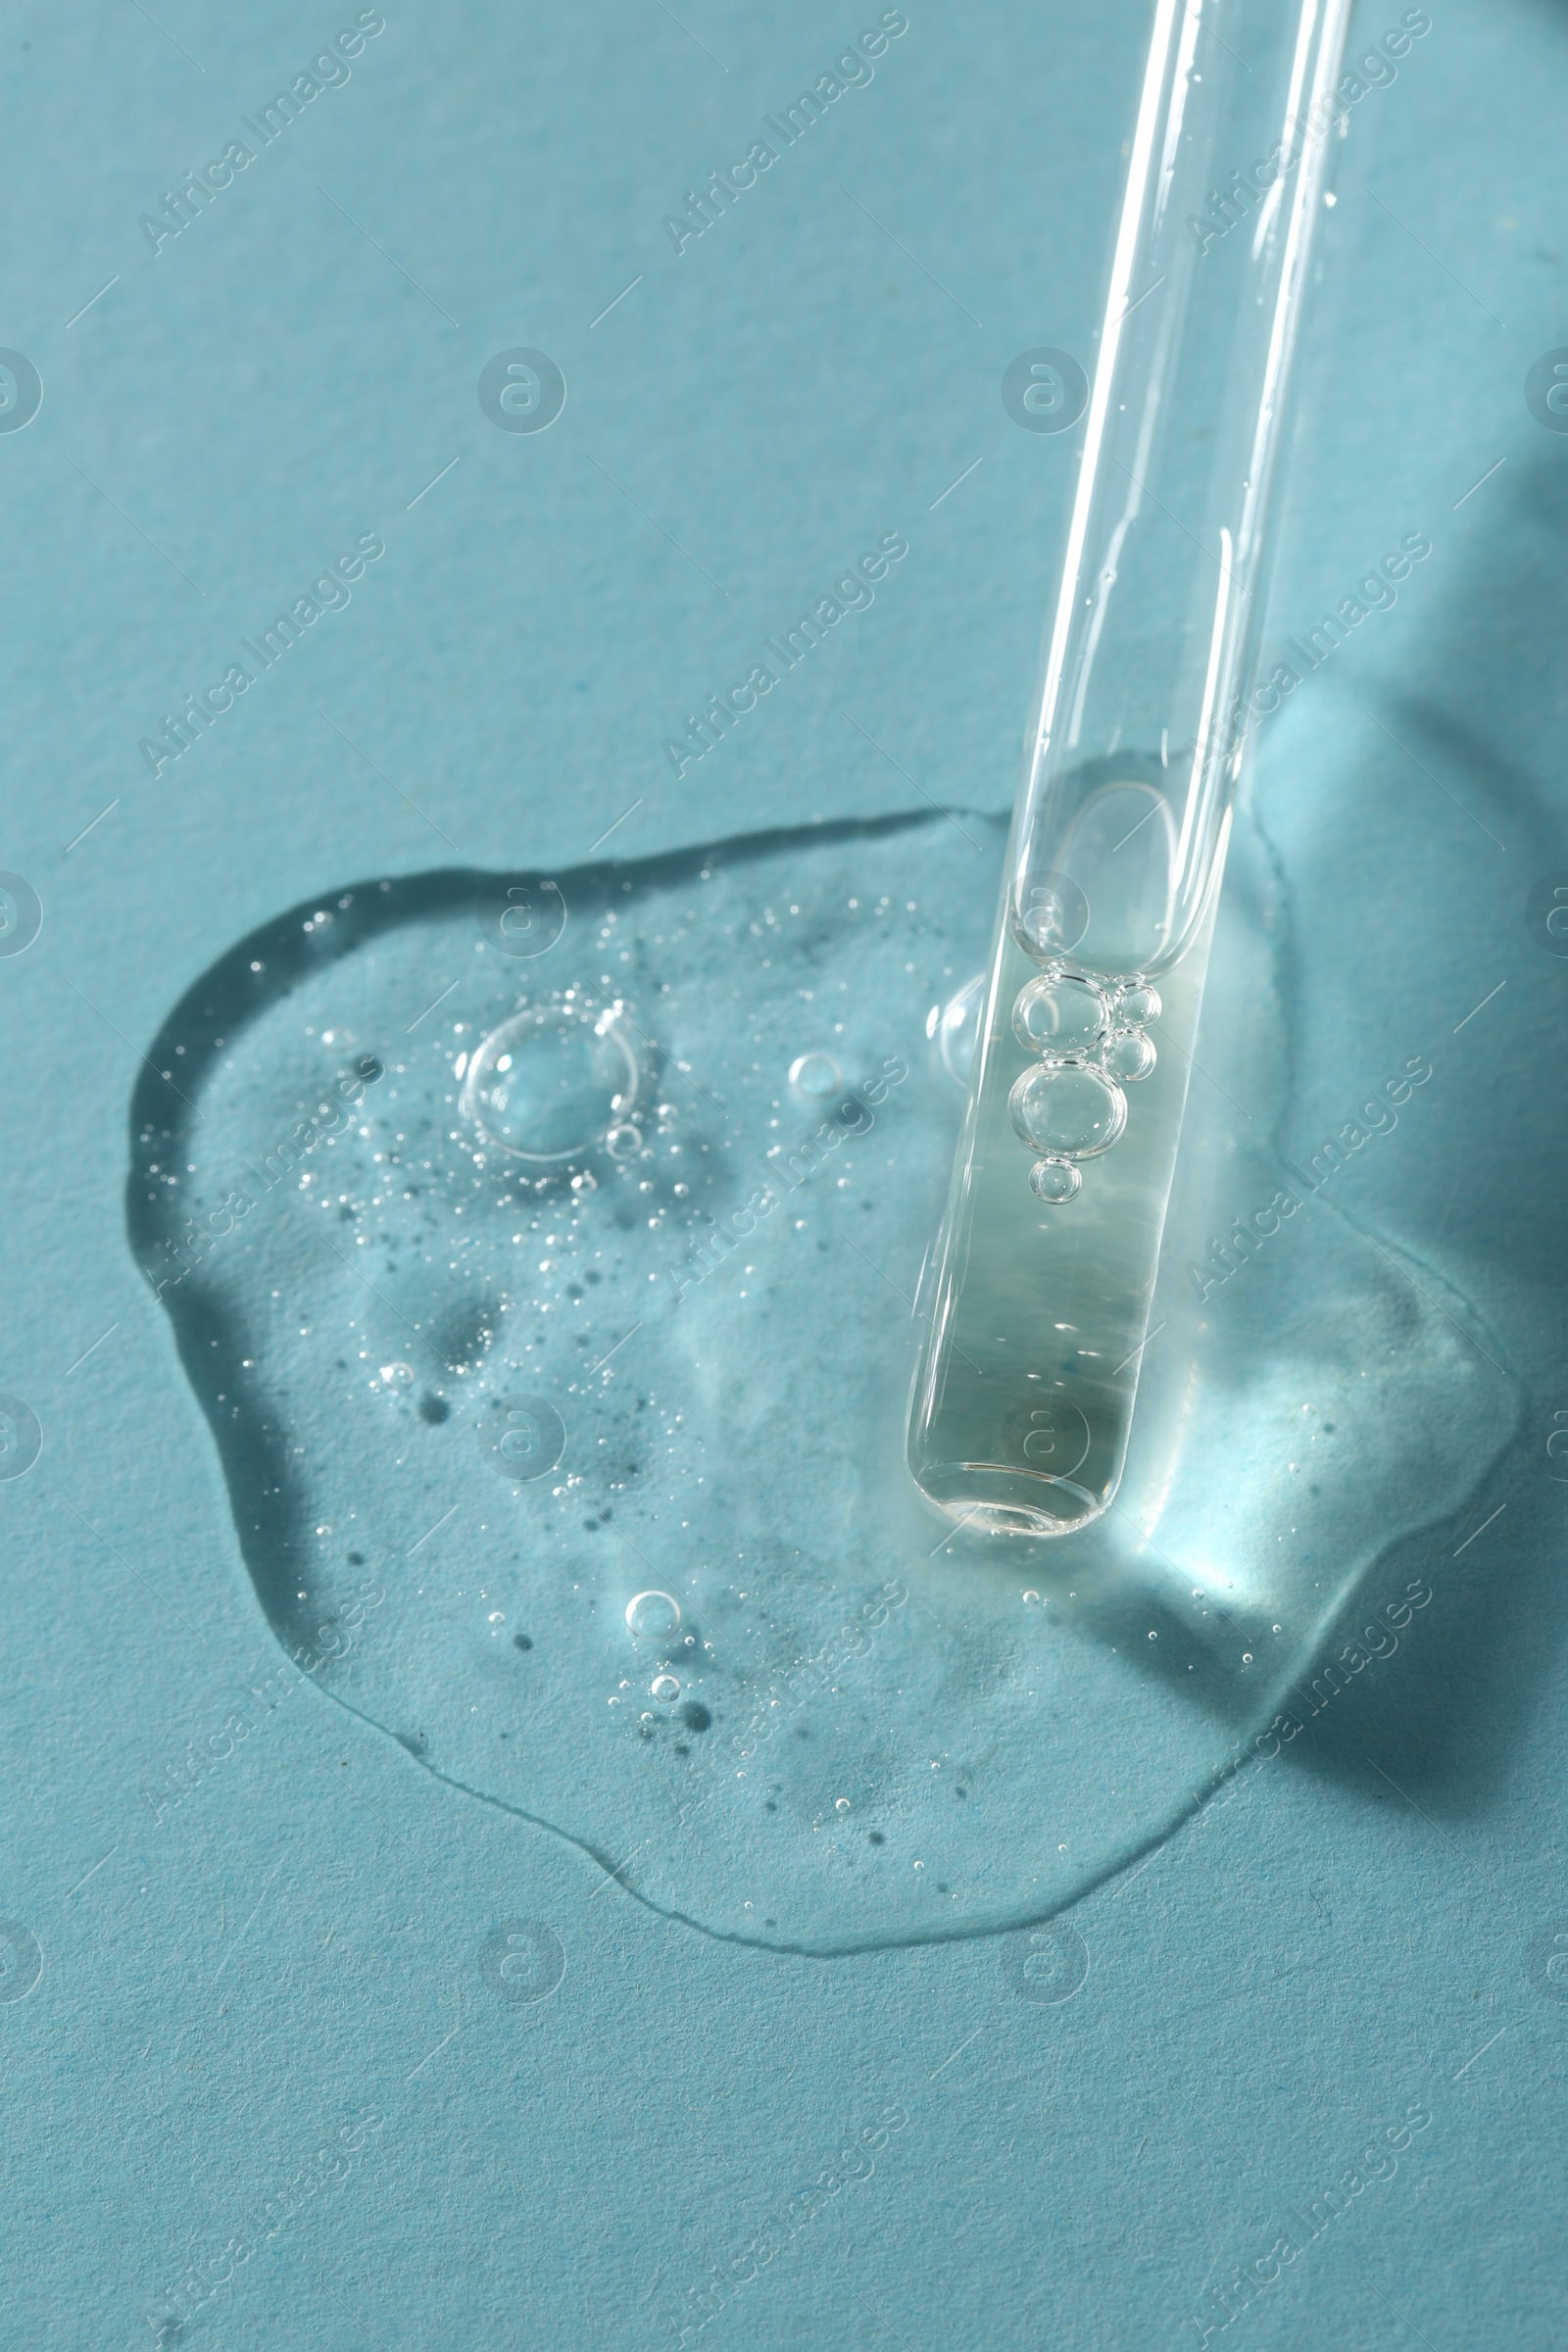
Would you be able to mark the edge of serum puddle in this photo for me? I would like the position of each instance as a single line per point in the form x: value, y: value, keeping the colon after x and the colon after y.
x: 251, y: 976
x: 1189, y: 1806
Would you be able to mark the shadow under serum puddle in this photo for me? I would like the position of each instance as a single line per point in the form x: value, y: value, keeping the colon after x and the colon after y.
x: 544, y: 1254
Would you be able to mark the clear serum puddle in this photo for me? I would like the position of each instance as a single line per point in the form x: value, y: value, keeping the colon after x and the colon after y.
x: 546, y: 1255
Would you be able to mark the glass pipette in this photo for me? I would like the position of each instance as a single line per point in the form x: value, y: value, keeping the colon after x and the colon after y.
x: 1038, y: 1290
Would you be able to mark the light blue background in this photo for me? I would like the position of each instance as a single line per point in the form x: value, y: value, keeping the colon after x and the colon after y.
x: 297, y: 1941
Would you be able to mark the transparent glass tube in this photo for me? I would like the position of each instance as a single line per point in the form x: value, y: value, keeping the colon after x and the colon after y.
x: 1038, y: 1290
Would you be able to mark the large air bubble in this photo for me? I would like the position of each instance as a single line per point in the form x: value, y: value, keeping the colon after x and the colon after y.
x: 553, y: 1082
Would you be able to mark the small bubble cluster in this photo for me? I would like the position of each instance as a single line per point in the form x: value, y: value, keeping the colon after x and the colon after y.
x: 1088, y: 1033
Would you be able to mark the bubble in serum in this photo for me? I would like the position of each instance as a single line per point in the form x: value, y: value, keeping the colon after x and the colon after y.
x: 1137, y: 1004
x: 1060, y: 1012
x: 816, y: 1076
x: 652, y: 1616
x: 1056, y: 1181
x: 553, y: 1082
x: 1067, y: 1109
x: 1128, y: 1054
x: 665, y: 1688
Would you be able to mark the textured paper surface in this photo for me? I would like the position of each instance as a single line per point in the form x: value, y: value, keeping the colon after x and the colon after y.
x: 271, y: 2077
